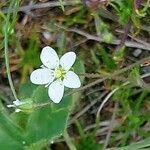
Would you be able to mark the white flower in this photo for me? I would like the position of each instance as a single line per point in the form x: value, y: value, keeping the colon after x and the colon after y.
x: 56, y: 73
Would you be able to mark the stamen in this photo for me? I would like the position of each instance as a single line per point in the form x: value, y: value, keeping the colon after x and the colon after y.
x: 59, y: 73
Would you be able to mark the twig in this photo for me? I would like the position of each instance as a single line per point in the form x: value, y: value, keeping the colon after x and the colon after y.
x: 96, y: 75
x: 101, y: 124
x: 107, y: 98
x: 42, y: 6
x: 98, y: 39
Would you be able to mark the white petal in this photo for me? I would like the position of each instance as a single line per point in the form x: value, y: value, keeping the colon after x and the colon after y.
x: 17, y: 110
x: 67, y: 60
x: 49, y: 57
x: 71, y: 80
x: 42, y: 76
x: 9, y: 106
x: 56, y: 91
x: 17, y: 102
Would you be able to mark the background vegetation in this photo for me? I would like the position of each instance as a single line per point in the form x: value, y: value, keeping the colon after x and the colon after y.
x: 111, y: 39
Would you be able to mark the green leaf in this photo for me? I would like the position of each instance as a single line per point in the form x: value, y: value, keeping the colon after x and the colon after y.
x: 8, y: 143
x: 119, y: 54
x: 47, y: 122
x: 26, y: 90
x: 37, y: 146
x: 10, y: 134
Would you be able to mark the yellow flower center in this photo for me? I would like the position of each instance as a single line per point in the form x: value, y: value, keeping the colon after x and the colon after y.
x: 59, y: 73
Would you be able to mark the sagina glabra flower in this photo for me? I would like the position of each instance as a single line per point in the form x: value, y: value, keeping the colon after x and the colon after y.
x: 55, y: 73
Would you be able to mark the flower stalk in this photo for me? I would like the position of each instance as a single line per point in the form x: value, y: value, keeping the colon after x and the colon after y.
x: 6, y: 34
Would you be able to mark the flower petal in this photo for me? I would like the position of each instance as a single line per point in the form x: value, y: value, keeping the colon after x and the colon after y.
x: 17, y: 102
x: 56, y: 91
x: 71, y: 80
x: 17, y: 110
x: 49, y: 57
x: 67, y: 60
x: 42, y: 76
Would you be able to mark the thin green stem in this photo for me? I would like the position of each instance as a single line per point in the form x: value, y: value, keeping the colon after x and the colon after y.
x: 8, y: 67
x: 6, y: 35
x: 68, y: 141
